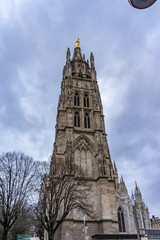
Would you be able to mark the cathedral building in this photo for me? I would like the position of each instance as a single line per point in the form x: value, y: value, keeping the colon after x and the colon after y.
x: 80, y: 136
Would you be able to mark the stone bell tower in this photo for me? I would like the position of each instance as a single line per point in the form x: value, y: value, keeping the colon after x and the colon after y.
x: 81, y: 138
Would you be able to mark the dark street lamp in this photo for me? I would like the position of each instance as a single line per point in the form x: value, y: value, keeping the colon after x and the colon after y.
x: 141, y: 4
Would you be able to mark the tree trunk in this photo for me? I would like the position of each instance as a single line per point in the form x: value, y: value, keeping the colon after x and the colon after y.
x: 51, y: 235
x: 50, y: 238
x: 5, y: 234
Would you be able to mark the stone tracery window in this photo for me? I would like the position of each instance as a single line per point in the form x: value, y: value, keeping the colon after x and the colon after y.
x: 76, y: 99
x: 76, y: 119
x: 83, y: 155
x: 86, y: 100
x: 121, y: 220
x: 86, y: 120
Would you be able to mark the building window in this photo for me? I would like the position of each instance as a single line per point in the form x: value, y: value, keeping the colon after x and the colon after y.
x: 121, y: 220
x: 76, y: 99
x: 86, y: 120
x: 86, y: 100
x: 76, y: 119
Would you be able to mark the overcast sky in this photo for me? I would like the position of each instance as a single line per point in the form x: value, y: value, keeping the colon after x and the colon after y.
x: 34, y: 37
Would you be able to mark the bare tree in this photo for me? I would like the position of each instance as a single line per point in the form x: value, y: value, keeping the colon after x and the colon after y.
x: 60, y: 194
x: 17, y: 184
x: 25, y: 223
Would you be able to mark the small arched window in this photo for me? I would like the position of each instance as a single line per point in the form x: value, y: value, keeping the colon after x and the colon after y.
x: 86, y: 120
x: 76, y: 119
x: 76, y: 99
x: 121, y: 220
x: 86, y: 100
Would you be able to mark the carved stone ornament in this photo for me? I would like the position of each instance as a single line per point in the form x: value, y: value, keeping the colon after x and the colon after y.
x: 100, y: 148
x: 69, y: 145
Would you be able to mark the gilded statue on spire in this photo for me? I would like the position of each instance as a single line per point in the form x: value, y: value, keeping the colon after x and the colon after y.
x: 77, y: 42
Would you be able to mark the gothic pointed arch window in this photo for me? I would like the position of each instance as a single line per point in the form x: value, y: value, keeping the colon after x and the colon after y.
x: 121, y: 220
x: 86, y: 100
x: 76, y: 119
x: 76, y: 99
x: 86, y: 120
x: 83, y: 148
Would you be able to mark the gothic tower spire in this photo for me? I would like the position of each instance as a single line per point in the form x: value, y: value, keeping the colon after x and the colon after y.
x: 80, y: 138
x: 137, y: 193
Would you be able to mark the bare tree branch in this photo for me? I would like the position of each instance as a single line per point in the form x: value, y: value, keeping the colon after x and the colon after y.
x: 60, y: 194
x: 18, y: 177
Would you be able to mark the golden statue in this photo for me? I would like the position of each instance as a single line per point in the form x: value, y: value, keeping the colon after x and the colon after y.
x: 77, y: 42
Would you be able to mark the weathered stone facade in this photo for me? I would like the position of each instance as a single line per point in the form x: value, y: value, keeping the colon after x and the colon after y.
x: 155, y: 222
x: 81, y: 138
x: 124, y: 204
